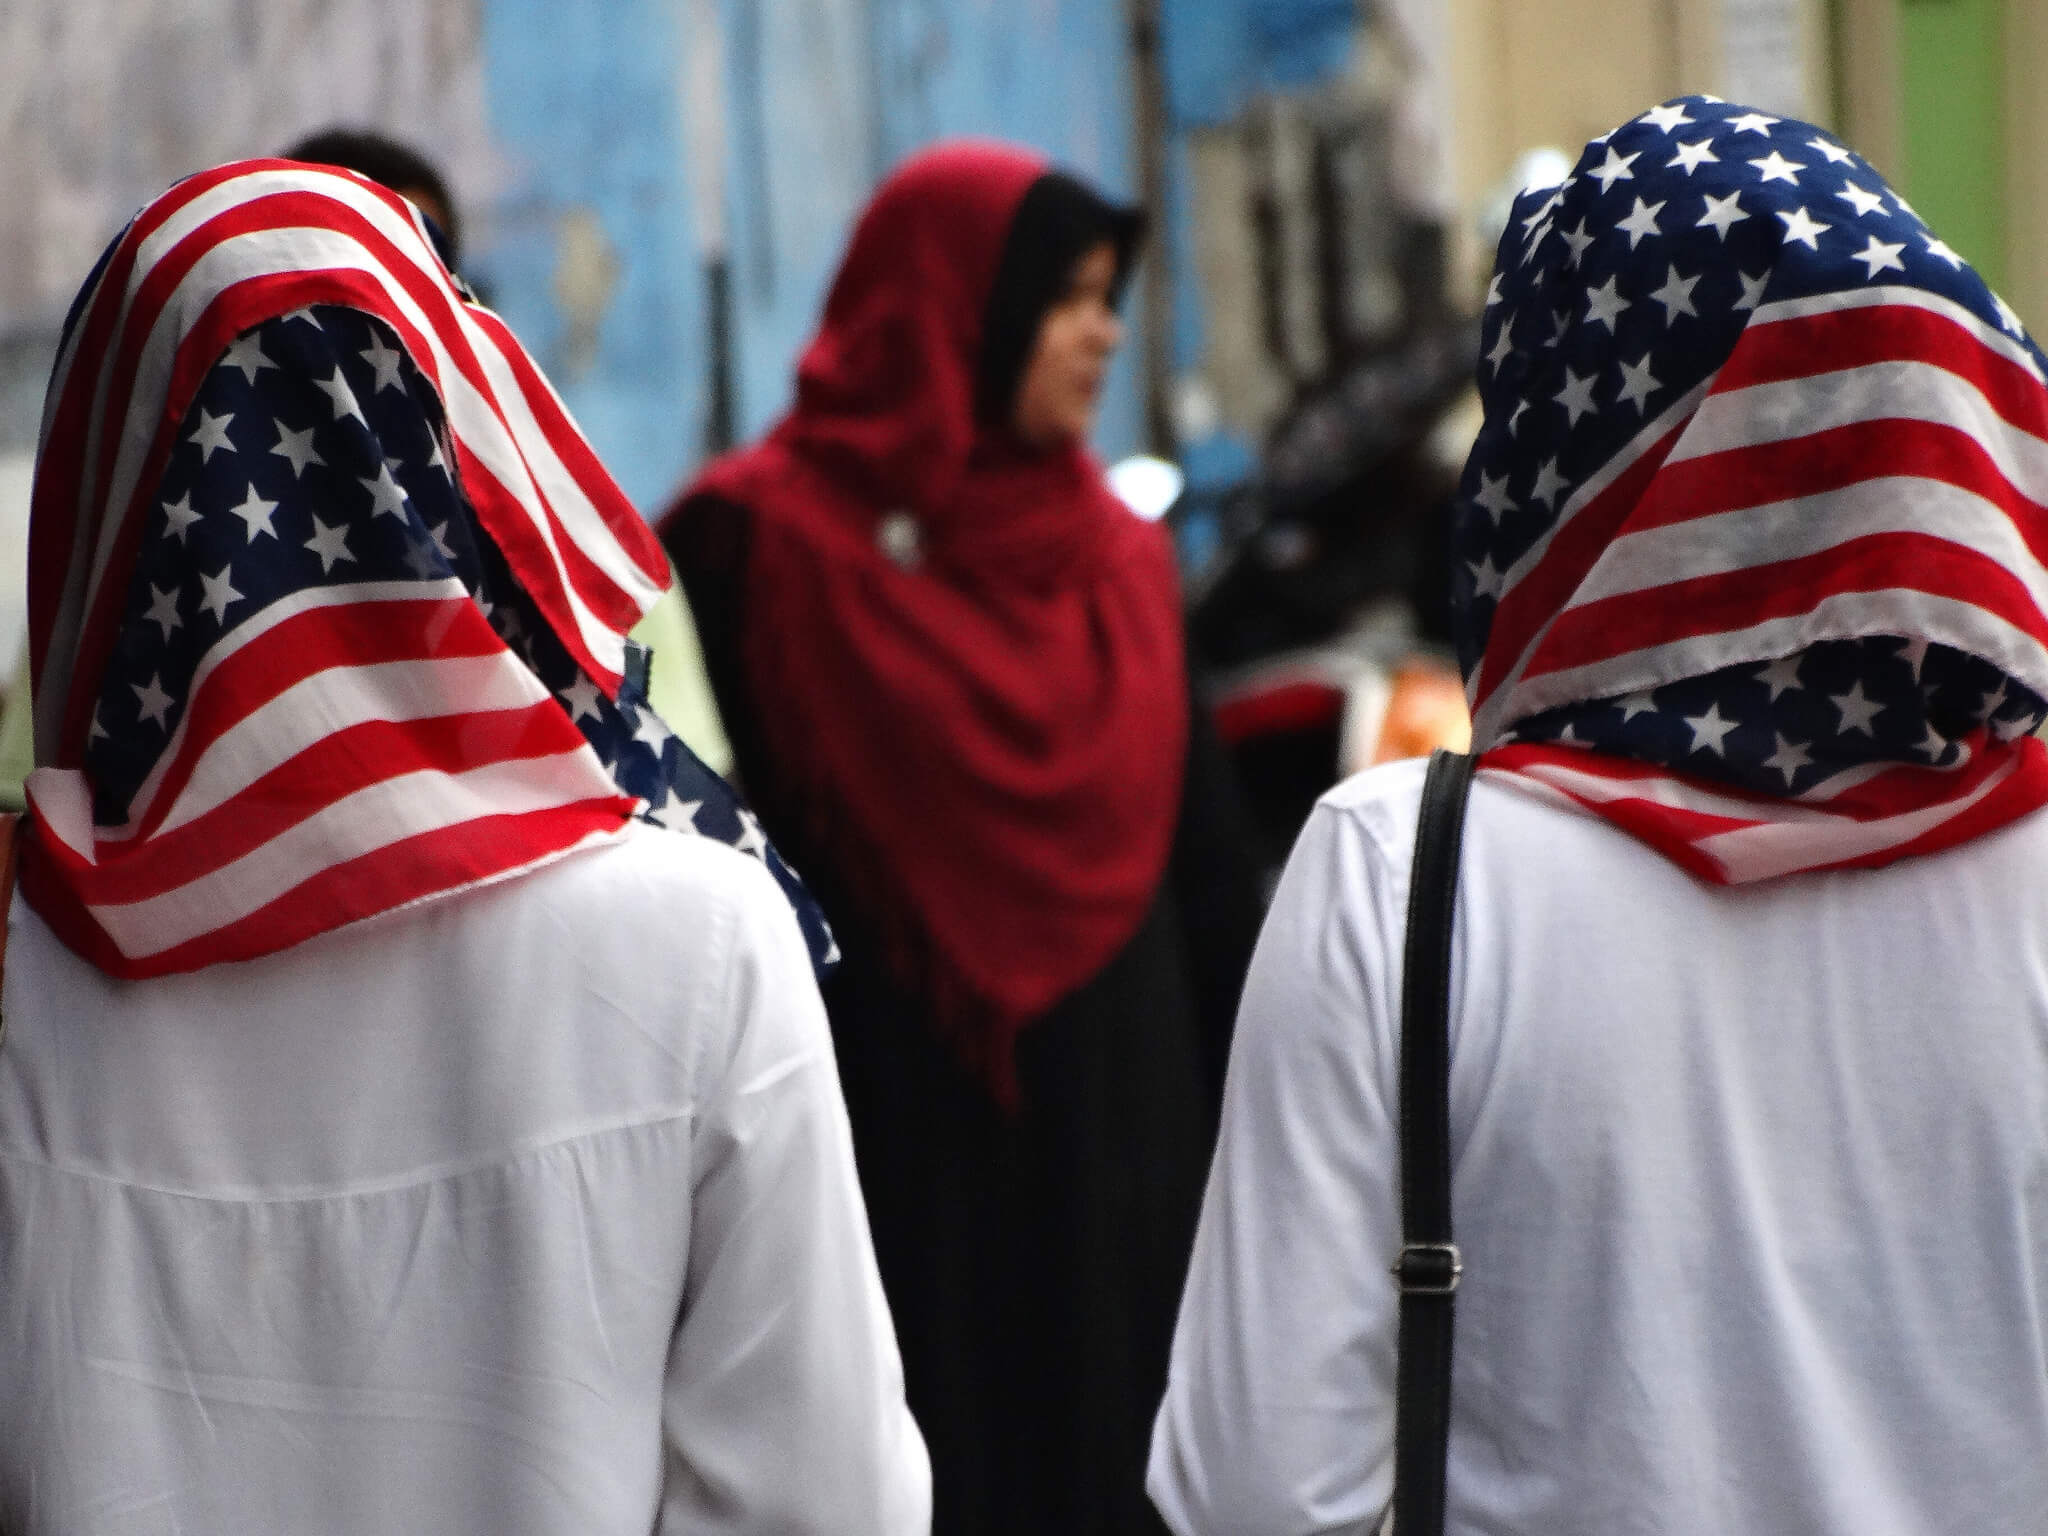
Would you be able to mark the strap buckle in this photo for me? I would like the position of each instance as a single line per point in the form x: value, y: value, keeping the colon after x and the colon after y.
x: 1429, y: 1269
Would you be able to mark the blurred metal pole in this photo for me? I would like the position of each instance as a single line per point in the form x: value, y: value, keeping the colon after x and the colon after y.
x: 704, y: 120
x: 1155, y: 292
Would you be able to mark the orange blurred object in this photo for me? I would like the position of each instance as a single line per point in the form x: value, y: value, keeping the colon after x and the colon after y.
x: 1427, y: 710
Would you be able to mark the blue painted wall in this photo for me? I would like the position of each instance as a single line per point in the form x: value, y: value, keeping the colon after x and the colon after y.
x: 584, y: 106
x: 822, y: 96
x: 1220, y: 53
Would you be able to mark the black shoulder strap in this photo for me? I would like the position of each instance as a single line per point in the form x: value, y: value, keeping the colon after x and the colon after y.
x: 1429, y: 1267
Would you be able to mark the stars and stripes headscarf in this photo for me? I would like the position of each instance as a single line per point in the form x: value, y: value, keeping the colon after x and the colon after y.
x: 1751, y: 543
x: 329, y: 598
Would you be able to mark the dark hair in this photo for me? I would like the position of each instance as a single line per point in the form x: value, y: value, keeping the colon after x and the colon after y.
x: 1059, y: 221
x: 390, y: 164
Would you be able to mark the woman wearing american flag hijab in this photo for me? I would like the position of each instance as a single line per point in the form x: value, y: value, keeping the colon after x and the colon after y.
x: 1749, y: 988
x: 416, y: 1107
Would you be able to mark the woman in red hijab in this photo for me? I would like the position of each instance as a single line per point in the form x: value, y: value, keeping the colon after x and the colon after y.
x: 952, y: 665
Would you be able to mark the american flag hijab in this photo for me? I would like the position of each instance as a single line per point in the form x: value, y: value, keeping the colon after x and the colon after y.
x: 329, y: 598
x: 1750, y: 548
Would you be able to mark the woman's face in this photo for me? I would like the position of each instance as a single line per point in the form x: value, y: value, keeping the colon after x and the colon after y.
x: 1062, y: 381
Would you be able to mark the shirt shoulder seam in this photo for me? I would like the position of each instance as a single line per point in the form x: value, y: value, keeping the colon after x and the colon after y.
x: 436, y: 1173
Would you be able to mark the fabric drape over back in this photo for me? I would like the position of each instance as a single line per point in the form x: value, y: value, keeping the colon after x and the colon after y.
x: 1752, y: 538
x: 983, y: 724
x: 329, y: 597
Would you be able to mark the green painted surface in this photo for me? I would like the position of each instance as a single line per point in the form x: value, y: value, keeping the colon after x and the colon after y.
x: 1952, y: 121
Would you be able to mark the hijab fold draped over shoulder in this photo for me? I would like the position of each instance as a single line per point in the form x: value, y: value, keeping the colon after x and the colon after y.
x: 967, y: 654
x: 1752, y: 541
x: 329, y: 597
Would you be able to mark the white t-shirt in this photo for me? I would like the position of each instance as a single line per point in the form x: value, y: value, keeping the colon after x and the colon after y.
x: 1751, y: 1185
x: 529, y: 1210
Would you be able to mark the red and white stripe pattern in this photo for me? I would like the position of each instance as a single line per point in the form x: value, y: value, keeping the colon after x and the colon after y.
x: 356, y: 747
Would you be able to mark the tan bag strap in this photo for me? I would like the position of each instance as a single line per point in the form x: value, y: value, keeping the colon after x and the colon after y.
x: 10, y: 859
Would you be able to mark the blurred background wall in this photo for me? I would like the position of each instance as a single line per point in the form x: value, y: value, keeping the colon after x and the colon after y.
x: 656, y: 191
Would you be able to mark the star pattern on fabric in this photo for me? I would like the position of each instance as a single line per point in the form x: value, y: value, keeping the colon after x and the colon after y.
x: 1881, y: 256
x: 1691, y: 157
x: 246, y: 353
x: 1710, y: 731
x: 1787, y: 757
x: 1577, y: 397
x: 179, y: 517
x: 1604, y: 305
x: 1803, y: 227
x: 1857, y: 712
x: 1637, y: 383
x: 1549, y: 483
x: 296, y: 448
x: 1780, y: 676
x: 1503, y: 349
x: 1577, y: 240
x: 255, y: 514
x: 1641, y: 222
x: 1488, y: 579
x: 163, y: 610
x: 1616, y: 168
x: 330, y: 544
x: 1775, y: 167
x: 151, y: 702
x: 211, y: 435
x: 1601, y: 333
x: 218, y: 592
x: 384, y: 361
x: 342, y: 396
x: 1722, y: 213
x: 387, y: 496
x: 1493, y: 495
x: 1782, y: 727
x: 1676, y: 295
x: 1940, y: 249
x: 581, y: 699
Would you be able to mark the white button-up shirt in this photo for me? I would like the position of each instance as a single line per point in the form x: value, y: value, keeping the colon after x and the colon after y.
x: 1751, y: 1185
x: 530, y: 1210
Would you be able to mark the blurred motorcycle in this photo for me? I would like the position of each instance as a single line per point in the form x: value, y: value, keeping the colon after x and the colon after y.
x: 1320, y: 626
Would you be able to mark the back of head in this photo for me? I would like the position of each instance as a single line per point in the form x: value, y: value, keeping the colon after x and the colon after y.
x: 320, y: 475
x: 1753, y: 515
x: 390, y: 164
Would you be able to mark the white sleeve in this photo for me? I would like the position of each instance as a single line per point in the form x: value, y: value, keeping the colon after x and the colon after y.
x: 1279, y: 1408
x: 784, y: 1407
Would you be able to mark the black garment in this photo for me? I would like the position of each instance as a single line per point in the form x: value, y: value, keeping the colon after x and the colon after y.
x: 1033, y: 1260
x: 1034, y: 1263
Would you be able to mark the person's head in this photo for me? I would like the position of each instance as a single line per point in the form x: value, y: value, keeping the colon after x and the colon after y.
x: 1052, y: 324
x: 973, y: 313
x: 1062, y: 381
x: 1746, y: 501
x: 390, y: 164
x: 318, y: 520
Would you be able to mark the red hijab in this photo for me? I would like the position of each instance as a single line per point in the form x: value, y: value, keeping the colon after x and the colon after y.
x: 985, y: 738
